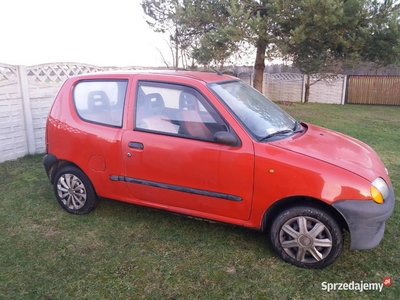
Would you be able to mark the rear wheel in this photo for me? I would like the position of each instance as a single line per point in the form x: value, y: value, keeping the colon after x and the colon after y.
x: 306, y: 237
x: 74, y: 191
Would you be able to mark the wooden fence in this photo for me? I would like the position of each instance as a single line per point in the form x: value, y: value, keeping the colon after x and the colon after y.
x: 381, y: 90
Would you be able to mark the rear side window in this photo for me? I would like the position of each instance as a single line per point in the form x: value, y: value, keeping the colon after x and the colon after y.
x: 101, y: 101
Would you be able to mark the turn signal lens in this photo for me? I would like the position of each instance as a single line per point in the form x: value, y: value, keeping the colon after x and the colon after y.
x: 376, y: 195
x: 379, y: 190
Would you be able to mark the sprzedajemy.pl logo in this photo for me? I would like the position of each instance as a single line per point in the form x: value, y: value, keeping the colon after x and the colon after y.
x: 356, y: 286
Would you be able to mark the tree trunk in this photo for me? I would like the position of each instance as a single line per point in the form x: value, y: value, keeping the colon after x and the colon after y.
x: 307, y: 92
x: 259, y: 66
x: 176, y: 51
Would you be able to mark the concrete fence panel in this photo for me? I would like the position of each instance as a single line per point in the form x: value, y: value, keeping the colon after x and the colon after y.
x: 26, y: 94
x: 328, y: 89
x: 13, y: 143
x: 284, y: 87
x: 41, y: 99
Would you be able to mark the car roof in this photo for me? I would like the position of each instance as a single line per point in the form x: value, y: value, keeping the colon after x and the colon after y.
x: 206, y: 77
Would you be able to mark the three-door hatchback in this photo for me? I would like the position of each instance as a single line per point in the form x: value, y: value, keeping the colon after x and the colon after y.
x: 210, y: 146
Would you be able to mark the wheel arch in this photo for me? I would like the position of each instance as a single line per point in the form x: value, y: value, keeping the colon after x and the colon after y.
x: 57, y: 165
x: 273, y: 211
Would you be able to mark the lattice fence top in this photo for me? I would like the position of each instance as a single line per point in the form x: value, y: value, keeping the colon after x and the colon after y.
x: 58, y: 72
x: 327, y: 78
x: 285, y: 77
x: 8, y: 72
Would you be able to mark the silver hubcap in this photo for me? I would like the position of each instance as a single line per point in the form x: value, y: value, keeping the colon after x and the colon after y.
x: 71, y: 191
x: 305, y: 239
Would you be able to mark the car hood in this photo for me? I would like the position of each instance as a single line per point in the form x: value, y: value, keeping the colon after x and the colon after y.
x: 337, y: 149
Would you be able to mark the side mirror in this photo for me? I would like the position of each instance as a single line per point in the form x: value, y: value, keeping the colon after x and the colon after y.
x: 226, y: 138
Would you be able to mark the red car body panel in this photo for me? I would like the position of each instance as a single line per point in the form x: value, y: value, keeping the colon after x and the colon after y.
x: 318, y: 163
x: 337, y: 149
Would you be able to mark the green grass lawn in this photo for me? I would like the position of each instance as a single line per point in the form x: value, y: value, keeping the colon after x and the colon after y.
x: 122, y: 251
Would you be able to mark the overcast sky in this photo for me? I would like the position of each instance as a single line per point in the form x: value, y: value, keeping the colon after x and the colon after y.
x: 99, y: 32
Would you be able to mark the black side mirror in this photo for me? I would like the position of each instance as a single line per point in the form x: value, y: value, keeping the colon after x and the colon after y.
x: 226, y: 138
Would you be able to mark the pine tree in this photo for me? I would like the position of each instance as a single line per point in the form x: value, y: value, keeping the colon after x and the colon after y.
x: 324, y: 36
x: 318, y: 36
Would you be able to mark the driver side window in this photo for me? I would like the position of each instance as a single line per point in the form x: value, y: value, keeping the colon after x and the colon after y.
x: 176, y: 110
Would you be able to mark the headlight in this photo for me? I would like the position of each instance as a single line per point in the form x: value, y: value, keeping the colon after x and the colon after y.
x: 379, y: 190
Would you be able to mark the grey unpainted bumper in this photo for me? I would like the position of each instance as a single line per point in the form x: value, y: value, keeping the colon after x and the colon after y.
x: 366, y: 220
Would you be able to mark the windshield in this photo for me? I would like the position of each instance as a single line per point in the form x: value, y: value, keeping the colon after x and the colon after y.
x: 259, y: 115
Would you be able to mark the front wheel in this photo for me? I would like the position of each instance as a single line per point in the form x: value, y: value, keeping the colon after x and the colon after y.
x: 306, y: 237
x: 74, y: 191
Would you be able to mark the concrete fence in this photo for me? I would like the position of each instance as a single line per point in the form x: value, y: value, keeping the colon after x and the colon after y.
x: 291, y: 87
x: 27, y: 92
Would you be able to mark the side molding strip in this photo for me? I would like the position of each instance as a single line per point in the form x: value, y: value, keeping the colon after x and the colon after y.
x: 176, y: 188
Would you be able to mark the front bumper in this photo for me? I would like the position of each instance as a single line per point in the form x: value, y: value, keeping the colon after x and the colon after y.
x: 366, y: 220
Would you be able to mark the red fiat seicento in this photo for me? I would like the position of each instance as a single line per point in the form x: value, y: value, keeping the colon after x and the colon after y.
x: 210, y: 146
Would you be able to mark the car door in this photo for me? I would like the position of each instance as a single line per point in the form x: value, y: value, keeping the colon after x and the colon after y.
x: 172, y: 162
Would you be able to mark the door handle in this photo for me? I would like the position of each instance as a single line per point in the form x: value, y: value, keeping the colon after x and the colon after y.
x: 136, y: 145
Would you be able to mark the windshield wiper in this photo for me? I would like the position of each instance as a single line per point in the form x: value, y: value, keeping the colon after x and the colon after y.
x: 297, y: 128
x: 280, y: 132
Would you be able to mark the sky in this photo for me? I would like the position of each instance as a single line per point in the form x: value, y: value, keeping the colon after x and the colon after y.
x: 98, y: 32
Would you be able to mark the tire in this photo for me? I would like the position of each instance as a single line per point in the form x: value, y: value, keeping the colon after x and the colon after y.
x: 306, y: 237
x: 74, y: 191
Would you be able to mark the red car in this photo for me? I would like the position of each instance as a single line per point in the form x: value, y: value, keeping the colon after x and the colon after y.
x: 210, y: 146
